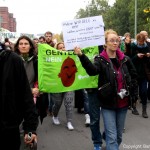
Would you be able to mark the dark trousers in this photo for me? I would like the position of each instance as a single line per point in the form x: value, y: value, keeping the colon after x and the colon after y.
x: 148, y: 91
x: 10, y: 139
x: 143, y: 91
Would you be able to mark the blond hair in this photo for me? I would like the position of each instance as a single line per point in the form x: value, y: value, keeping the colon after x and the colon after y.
x: 107, y: 32
x: 110, y: 31
x: 56, y: 46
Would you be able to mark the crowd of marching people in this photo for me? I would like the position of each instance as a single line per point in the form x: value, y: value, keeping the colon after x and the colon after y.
x: 123, y: 69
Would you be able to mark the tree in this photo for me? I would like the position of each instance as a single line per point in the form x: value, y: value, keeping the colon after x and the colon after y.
x: 142, y: 23
x: 57, y: 37
x: 120, y: 16
x: 94, y: 8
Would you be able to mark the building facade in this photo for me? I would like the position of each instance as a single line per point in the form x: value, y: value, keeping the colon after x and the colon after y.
x: 7, y: 20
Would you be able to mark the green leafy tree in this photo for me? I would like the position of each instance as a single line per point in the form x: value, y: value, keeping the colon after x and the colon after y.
x: 142, y: 21
x: 94, y: 8
x: 120, y: 16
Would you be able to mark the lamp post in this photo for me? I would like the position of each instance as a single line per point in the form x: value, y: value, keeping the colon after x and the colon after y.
x: 135, y: 24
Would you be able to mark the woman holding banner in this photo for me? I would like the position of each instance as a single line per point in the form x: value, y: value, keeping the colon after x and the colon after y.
x: 58, y: 98
x: 117, y: 77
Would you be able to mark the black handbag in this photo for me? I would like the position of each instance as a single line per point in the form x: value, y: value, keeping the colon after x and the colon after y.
x: 106, y: 91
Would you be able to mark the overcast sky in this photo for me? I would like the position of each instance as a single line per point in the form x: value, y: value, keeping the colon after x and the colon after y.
x: 39, y: 16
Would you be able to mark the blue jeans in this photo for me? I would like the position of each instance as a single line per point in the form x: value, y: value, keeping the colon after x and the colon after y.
x: 51, y: 103
x: 114, y: 124
x: 86, y: 101
x: 143, y: 89
x: 94, y: 112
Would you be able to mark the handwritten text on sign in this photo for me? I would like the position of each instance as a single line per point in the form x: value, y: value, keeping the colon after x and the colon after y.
x: 83, y: 32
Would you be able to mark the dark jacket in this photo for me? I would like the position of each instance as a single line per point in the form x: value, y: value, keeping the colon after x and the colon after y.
x: 141, y: 64
x: 16, y: 100
x: 107, y: 77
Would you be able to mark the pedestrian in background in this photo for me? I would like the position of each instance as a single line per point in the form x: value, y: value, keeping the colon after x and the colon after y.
x: 141, y: 60
x: 58, y: 98
x: 148, y: 44
x: 41, y: 39
x: 49, y: 40
x: 8, y: 44
x: 128, y: 51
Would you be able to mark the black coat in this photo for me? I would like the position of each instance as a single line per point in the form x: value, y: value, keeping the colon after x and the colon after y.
x: 142, y: 65
x: 107, y: 79
x: 16, y: 100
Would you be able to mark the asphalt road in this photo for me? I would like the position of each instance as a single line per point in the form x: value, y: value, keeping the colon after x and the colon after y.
x: 52, y: 137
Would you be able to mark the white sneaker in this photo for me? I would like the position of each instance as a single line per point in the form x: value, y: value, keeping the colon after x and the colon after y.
x: 55, y: 120
x: 87, y: 119
x: 69, y: 126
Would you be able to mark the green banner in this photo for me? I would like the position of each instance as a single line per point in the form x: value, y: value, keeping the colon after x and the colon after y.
x: 61, y: 71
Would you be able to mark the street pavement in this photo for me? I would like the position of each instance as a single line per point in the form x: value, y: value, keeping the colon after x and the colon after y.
x: 52, y: 137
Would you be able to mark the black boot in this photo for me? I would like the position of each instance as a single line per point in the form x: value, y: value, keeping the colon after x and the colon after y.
x: 135, y: 111
x: 144, y: 113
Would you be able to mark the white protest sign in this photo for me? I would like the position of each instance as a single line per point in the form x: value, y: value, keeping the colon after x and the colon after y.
x: 83, y: 32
